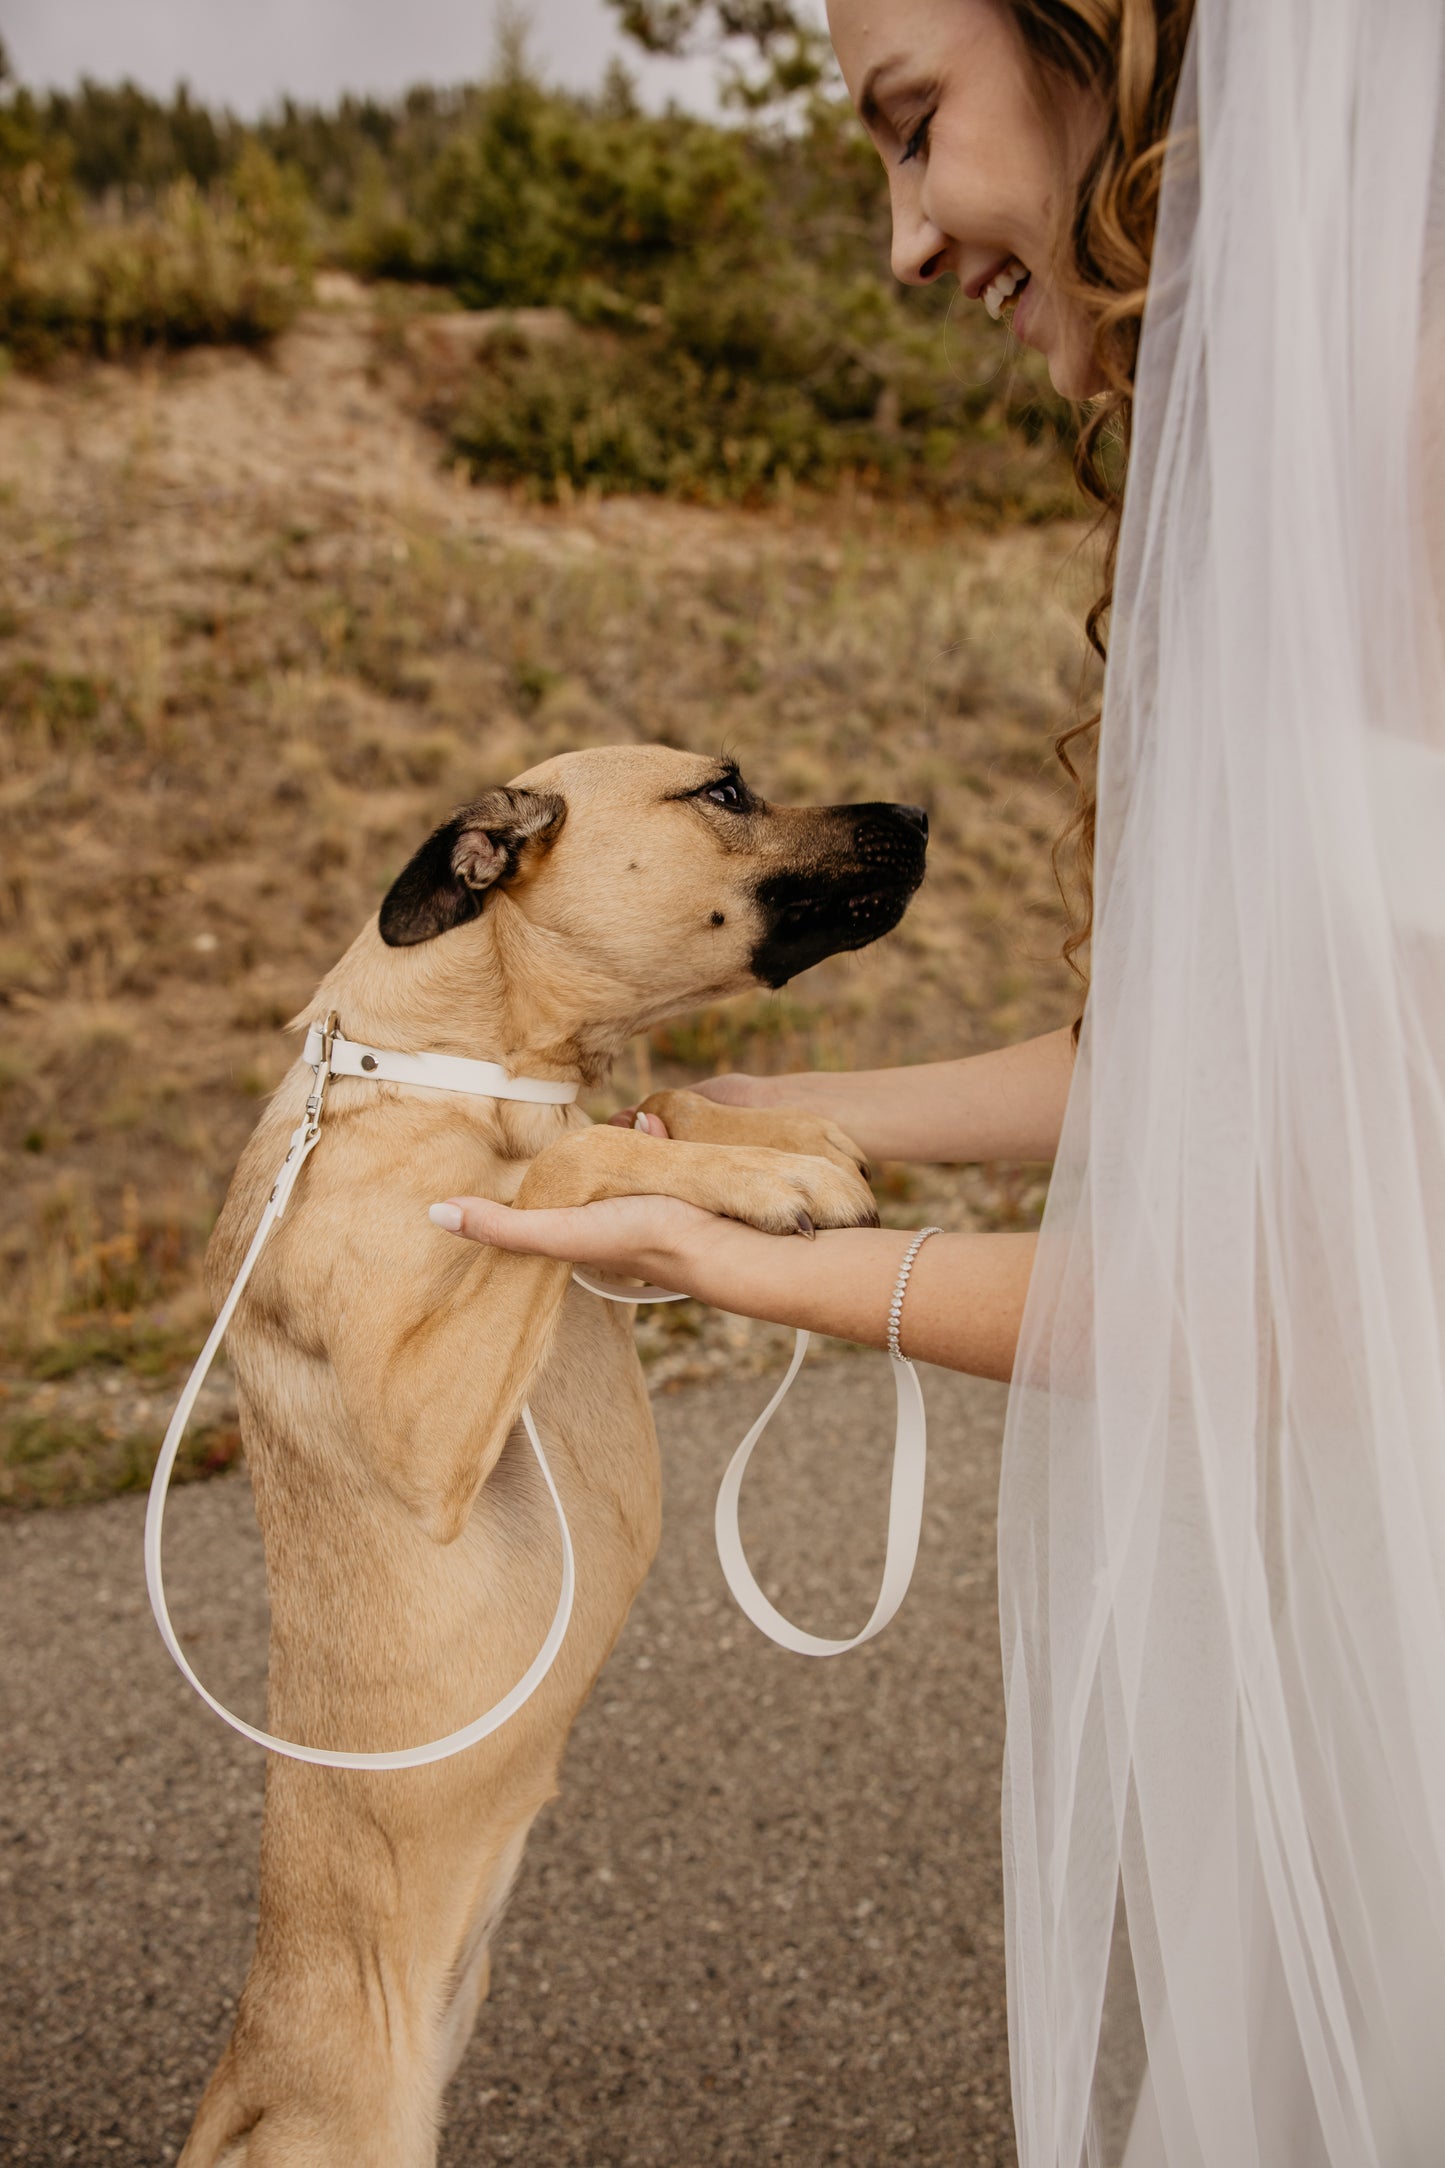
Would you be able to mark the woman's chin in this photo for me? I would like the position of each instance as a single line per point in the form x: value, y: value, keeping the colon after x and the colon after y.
x: 1075, y: 376
x: 1067, y: 348
x: 1073, y: 364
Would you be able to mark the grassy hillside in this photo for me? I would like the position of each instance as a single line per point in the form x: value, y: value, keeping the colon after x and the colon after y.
x: 734, y: 332
x: 256, y: 641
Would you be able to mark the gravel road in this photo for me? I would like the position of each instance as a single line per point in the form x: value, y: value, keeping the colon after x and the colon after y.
x: 763, y: 1923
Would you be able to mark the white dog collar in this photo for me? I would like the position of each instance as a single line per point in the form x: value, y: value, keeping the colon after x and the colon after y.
x: 433, y: 1072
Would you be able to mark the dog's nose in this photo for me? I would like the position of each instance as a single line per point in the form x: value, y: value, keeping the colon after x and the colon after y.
x: 916, y: 816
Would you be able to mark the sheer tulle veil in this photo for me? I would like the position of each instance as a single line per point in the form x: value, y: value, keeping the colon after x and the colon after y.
x: 1222, y: 1514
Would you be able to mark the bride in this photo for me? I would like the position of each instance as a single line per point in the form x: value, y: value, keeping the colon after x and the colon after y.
x: 1222, y: 1514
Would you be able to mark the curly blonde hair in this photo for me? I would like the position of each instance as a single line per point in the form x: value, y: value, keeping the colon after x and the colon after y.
x: 1128, y: 54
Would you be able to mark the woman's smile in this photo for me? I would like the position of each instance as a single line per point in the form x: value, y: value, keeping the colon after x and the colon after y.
x: 1004, y: 287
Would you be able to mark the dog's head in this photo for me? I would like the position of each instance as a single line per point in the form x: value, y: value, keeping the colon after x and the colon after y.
x: 665, y: 873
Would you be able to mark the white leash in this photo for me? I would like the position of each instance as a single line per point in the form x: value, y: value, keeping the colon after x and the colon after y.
x: 332, y: 1055
x: 905, y: 1518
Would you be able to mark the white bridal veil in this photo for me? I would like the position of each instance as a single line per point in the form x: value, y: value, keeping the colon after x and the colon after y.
x: 1222, y: 1517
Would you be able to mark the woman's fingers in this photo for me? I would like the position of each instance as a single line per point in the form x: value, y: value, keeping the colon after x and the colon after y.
x: 482, y: 1219
x: 636, y: 1235
x: 634, y: 1118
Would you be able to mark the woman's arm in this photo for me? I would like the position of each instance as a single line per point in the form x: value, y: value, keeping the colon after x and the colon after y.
x: 1008, y: 1104
x: 965, y: 1294
x: 963, y: 1307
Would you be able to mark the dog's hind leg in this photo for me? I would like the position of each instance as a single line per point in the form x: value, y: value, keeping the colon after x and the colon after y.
x: 223, y: 2123
x: 387, y: 2113
x: 471, y: 1975
x: 391, y: 2122
x: 328, y: 2067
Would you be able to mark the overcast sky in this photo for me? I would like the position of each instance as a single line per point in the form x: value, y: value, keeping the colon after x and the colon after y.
x: 246, y: 53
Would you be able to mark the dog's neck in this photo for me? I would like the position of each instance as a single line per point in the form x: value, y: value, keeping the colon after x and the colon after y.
x: 500, y: 989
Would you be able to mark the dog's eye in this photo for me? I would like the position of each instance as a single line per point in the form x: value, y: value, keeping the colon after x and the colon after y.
x: 729, y: 793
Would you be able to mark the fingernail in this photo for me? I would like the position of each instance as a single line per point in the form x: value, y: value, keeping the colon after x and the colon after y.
x: 448, y: 1216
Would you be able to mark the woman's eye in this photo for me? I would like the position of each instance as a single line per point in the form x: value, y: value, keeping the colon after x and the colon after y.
x: 727, y: 794
x: 917, y: 143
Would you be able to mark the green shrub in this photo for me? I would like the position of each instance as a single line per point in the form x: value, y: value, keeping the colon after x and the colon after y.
x: 542, y: 192
x: 739, y: 332
x: 187, y: 273
x: 741, y: 389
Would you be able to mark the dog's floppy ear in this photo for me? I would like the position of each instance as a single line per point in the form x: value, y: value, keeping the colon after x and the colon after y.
x: 478, y: 849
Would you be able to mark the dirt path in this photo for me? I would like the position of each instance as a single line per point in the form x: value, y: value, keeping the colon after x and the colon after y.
x: 762, y: 1925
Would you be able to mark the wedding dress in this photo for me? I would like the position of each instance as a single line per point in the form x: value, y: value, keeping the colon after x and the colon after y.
x: 1222, y: 1513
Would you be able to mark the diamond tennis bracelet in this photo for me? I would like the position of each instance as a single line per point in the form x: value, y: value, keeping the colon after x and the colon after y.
x: 895, y: 1308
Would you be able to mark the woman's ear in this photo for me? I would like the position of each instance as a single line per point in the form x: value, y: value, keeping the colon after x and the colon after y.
x: 480, y: 848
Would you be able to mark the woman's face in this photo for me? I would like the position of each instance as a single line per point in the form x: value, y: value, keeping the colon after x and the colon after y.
x: 978, y: 170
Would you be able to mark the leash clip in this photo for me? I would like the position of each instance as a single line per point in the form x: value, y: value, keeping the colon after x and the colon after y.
x: 308, y: 1129
x: 321, y: 1072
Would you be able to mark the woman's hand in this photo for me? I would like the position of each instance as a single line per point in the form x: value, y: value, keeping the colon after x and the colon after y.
x: 642, y: 1238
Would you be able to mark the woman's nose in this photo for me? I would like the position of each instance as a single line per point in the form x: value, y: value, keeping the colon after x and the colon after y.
x: 920, y: 249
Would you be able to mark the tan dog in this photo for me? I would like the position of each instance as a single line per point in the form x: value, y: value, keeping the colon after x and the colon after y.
x: 411, y: 1550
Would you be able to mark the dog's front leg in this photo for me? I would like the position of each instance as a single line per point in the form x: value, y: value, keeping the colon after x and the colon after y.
x: 751, y: 1181
x: 695, y: 1119
x: 436, y: 1389
x: 436, y: 1400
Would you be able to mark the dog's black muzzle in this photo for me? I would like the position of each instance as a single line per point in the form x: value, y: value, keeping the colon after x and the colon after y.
x: 857, y: 889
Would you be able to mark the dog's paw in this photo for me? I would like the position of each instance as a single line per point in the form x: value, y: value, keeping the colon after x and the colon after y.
x: 689, y: 1116
x: 780, y: 1192
x: 785, y: 1193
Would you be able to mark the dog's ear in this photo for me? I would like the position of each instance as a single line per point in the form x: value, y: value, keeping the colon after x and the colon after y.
x: 478, y: 849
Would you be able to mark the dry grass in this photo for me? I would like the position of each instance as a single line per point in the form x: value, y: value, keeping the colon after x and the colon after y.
x: 255, y: 642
